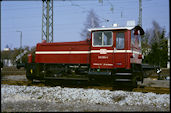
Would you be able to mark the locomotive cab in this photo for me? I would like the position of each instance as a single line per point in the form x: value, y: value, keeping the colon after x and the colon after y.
x: 117, y: 52
x: 115, y: 47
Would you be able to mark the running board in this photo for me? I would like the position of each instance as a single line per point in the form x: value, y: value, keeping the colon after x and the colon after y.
x: 123, y: 73
x: 66, y: 78
x: 122, y: 79
x: 99, y: 73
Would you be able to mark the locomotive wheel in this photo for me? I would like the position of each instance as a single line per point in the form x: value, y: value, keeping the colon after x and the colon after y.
x: 28, y: 76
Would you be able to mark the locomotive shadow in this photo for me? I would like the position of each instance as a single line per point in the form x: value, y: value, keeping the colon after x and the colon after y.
x: 84, y: 84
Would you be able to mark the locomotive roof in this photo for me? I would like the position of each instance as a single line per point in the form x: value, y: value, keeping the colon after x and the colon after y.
x: 110, y: 28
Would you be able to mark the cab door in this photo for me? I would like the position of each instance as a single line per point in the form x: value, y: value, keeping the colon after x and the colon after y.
x: 102, y: 50
x: 120, y: 51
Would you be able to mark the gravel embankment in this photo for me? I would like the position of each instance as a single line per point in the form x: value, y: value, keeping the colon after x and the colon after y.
x: 32, y: 99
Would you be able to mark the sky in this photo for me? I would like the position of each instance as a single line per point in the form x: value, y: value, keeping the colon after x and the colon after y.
x: 70, y: 17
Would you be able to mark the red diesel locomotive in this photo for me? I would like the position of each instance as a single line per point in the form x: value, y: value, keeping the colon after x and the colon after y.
x: 111, y: 55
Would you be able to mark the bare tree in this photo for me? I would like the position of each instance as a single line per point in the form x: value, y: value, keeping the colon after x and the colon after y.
x: 152, y: 35
x: 156, y: 31
x: 92, y: 21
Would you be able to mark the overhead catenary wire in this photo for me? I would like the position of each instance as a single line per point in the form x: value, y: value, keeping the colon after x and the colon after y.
x: 81, y: 6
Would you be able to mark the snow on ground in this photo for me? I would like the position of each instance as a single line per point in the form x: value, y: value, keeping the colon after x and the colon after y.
x: 12, y: 93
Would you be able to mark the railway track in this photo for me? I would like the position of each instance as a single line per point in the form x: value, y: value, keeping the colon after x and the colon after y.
x: 158, y: 90
x: 144, y: 89
x: 21, y: 80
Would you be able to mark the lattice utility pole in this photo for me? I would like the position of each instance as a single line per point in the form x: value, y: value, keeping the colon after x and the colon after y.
x: 47, y: 20
x: 140, y: 13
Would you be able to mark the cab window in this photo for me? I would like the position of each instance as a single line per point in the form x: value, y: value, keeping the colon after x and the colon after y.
x: 132, y: 38
x: 120, y: 39
x: 135, y: 40
x: 97, y: 38
x: 102, y: 38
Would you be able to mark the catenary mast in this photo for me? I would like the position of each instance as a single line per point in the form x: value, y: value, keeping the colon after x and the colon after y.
x: 47, y: 20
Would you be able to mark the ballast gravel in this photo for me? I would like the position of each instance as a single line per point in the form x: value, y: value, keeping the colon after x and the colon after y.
x: 52, y: 99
